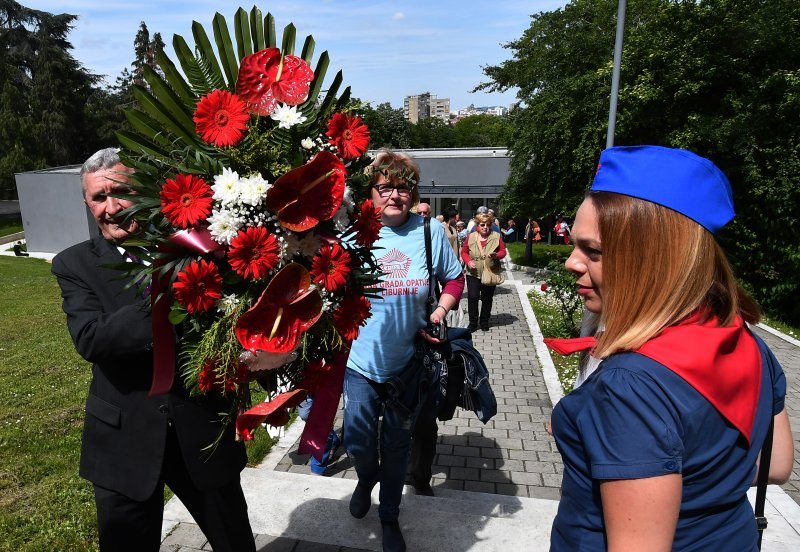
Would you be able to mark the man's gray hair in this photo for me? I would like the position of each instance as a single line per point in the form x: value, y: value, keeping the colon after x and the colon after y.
x: 106, y: 158
x: 482, y: 209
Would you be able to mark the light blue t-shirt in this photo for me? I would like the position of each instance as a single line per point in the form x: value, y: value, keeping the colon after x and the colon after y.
x: 385, y: 345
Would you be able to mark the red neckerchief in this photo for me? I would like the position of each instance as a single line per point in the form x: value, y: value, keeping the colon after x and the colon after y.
x: 721, y: 363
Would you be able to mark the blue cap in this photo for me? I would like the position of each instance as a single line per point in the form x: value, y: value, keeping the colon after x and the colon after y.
x: 674, y: 178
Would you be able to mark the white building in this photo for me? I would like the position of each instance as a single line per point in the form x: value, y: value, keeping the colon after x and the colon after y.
x: 426, y: 105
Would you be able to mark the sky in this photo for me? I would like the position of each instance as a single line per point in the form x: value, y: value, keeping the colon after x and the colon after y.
x: 386, y: 50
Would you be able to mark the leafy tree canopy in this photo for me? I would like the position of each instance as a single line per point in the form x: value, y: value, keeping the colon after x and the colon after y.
x: 719, y: 77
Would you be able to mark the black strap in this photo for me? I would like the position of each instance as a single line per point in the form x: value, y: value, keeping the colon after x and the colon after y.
x: 763, y: 479
x: 432, y: 282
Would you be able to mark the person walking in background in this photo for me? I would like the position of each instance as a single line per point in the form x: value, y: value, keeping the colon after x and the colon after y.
x: 384, y: 347
x: 561, y: 230
x: 461, y: 227
x: 532, y: 231
x: 481, y: 245
x: 509, y: 233
x: 134, y: 444
x: 450, y: 231
x: 661, y: 443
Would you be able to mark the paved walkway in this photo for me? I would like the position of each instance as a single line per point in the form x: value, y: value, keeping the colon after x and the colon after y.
x: 511, y: 459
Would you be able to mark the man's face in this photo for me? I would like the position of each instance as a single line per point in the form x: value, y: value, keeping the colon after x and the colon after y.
x: 424, y: 210
x: 97, y: 187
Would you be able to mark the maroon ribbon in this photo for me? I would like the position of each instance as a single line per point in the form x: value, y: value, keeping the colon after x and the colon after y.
x: 194, y: 241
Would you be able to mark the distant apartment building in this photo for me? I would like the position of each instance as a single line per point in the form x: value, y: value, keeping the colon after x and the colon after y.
x: 426, y: 105
x: 496, y: 110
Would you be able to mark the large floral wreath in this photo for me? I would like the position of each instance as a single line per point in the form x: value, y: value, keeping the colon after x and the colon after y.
x: 252, y: 191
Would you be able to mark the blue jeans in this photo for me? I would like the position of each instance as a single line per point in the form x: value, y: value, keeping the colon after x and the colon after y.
x: 363, y: 405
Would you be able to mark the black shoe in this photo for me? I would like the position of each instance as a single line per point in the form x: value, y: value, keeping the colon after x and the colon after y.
x: 423, y: 489
x: 473, y: 327
x: 393, y: 540
x: 484, y: 326
x: 361, y: 500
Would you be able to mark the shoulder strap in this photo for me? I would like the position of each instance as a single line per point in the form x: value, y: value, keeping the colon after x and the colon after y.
x: 432, y: 282
x: 763, y: 479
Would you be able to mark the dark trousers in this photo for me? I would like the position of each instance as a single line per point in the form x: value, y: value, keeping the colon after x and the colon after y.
x: 476, y: 290
x: 129, y: 525
x: 423, y: 447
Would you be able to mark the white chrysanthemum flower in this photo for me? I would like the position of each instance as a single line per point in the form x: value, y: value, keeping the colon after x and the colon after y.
x: 341, y: 221
x: 309, y: 246
x: 290, y: 244
x: 287, y: 116
x: 226, y: 186
x: 347, y: 199
x: 254, y: 190
x: 227, y: 303
x: 307, y: 143
x: 223, y: 226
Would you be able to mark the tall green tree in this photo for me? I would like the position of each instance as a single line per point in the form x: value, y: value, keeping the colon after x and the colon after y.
x: 43, y: 92
x: 719, y: 77
x: 387, y: 126
x: 478, y: 131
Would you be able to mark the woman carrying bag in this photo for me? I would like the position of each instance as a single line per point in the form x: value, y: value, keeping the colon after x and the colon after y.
x: 481, y: 253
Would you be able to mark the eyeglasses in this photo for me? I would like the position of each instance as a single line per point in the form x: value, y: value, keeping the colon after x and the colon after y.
x: 484, y: 224
x: 385, y: 190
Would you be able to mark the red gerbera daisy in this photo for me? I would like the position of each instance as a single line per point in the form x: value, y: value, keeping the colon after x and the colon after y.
x: 349, y: 134
x: 367, y: 224
x: 207, y: 378
x: 186, y: 200
x: 352, y: 313
x: 330, y: 267
x: 254, y: 252
x: 198, y: 287
x: 221, y: 118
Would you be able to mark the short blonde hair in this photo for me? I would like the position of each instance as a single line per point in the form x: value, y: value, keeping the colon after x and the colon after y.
x: 400, y: 165
x: 483, y: 217
x: 679, y: 268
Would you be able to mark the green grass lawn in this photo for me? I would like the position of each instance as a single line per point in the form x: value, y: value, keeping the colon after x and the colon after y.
x: 541, y: 254
x: 8, y: 227
x: 44, y: 504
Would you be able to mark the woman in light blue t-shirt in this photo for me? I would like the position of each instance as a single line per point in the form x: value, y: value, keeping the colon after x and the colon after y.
x: 384, y: 347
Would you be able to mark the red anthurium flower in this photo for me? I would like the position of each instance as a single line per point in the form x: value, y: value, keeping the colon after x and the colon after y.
x: 221, y: 118
x: 254, y: 252
x: 308, y: 194
x: 349, y: 134
x: 186, y: 200
x: 274, y: 412
x: 266, y: 78
x: 288, y: 307
x: 330, y: 267
x: 367, y: 224
x: 352, y: 313
x: 198, y: 287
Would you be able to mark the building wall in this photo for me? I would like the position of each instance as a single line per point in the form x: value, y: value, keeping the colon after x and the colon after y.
x: 54, y: 215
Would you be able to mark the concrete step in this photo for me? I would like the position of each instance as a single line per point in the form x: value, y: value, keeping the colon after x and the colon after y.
x: 313, y: 508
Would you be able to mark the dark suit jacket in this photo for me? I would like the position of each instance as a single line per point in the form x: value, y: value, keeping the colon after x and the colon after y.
x: 125, y: 432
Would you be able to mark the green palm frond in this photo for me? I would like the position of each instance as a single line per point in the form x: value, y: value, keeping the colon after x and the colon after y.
x: 176, y: 80
x: 257, y: 29
x: 308, y: 49
x: 205, y: 51
x: 289, y: 38
x: 241, y: 27
x: 191, y: 68
x: 230, y: 63
x: 270, y: 39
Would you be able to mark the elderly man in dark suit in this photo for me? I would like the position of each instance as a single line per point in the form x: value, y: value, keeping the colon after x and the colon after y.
x: 134, y: 444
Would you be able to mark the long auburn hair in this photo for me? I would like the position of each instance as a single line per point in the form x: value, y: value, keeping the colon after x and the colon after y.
x: 658, y: 268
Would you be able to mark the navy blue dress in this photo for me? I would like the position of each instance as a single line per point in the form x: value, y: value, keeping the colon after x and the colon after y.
x: 634, y: 418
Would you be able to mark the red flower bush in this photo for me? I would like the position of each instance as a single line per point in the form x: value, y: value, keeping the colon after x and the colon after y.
x: 266, y: 79
x: 186, y: 200
x: 198, y: 286
x: 254, y: 252
x: 308, y: 194
x: 349, y: 134
x: 331, y: 267
x: 352, y: 313
x: 367, y: 224
x: 221, y: 118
